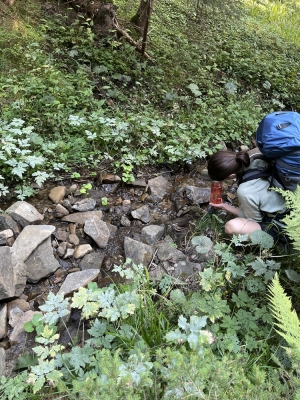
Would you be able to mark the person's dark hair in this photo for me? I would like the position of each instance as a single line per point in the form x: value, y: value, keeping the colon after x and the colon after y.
x: 224, y: 163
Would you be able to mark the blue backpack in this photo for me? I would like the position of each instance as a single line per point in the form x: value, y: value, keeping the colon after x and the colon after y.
x: 278, y: 139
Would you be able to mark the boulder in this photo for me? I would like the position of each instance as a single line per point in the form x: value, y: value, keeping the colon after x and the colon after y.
x: 24, y: 213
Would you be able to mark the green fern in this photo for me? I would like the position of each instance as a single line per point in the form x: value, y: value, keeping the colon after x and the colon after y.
x: 287, y: 319
x: 292, y: 220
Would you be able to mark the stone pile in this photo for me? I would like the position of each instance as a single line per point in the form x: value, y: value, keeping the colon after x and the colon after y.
x: 72, y: 246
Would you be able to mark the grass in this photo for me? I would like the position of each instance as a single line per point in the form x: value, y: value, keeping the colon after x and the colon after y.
x: 280, y: 17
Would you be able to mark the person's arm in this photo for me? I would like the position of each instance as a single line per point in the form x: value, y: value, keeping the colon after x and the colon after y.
x: 226, y: 207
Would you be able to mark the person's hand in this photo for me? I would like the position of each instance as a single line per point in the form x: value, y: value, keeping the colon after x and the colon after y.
x: 219, y: 205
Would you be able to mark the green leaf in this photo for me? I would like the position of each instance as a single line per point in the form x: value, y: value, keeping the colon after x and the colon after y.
x: 203, y: 243
x: 263, y: 239
x: 292, y: 275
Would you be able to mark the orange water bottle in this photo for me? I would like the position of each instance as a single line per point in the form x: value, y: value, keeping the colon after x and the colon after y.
x: 216, y: 193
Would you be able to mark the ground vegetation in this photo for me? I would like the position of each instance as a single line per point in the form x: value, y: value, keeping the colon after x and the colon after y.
x: 73, y: 97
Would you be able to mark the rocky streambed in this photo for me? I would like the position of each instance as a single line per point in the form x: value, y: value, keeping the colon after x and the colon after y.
x: 63, y: 239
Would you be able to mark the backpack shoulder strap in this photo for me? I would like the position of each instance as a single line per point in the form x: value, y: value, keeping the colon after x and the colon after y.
x: 255, y: 173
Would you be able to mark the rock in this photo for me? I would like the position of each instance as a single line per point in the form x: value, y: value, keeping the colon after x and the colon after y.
x: 62, y: 249
x: 2, y: 361
x: 125, y: 221
x: 159, y: 188
x: 3, y: 321
x: 197, y: 195
x: 92, y: 261
x: 61, y: 235
x: 15, y: 315
x: 7, y: 222
x: 77, y: 280
x: 59, y: 209
x: 69, y: 253
x: 72, y: 228
x: 110, y: 178
x: 82, y: 250
x: 4, y: 235
x: 112, y: 229
x: 29, y: 239
x: 20, y: 303
x: 126, y: 206
x: 24, y: 213
x: 67, y: 205
x: 84, y: 205
x: 41, y: 263
x: 57, y: 194
x: 74, y: 239
x: 98, y: 231
x: 138, y: 252
x: 18, y: 334
x: 20, y: 277
x: 243, y: 148
x: 166, y: 251
x: 7, y: 280
x: 141, y: 183
x: 81, y: 217
x: 142, y: 214
x: 152, y: 234
x: 184, y: 269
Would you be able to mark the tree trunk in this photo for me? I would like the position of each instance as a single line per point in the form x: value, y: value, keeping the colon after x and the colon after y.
x: 141, y: 18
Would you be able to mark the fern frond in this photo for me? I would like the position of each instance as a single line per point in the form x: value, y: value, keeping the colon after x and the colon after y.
x: 292, y: 220
x: 287, y: 319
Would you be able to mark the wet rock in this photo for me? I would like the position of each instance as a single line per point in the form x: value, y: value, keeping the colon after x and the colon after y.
x: 2, y: 361
x: 57, y: 194
x: 110, y: 178
x: 138, y: 252
x: 24, y: 213
x: 142, y: 213
x: 81, y: 217
x: 61, y: 210
x: 3, y: 321
x: 74, y: 239
x: 152, y: 234
x: 159, y: 188
x: 82, y: 250
x: 98, y: 231
x: 166, y: 251
x: 18, y: 334
x: 92, y: 261
x: 29, y: 239
x: 15, y: 315
x: 41, y: 263
x: 125, y: 221
x: 4, y: 235
x: 78, y: 279
x: 7, y: 280
x: 197, y: 195
x: 84, y: 205
x: 184, y: 269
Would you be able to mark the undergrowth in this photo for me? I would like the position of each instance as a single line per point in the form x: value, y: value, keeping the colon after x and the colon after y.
x: 213, y: 74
